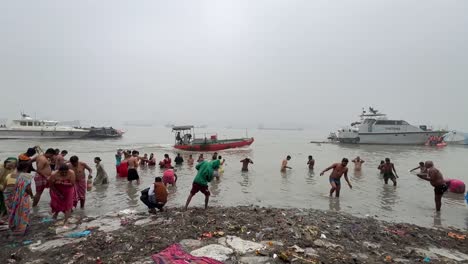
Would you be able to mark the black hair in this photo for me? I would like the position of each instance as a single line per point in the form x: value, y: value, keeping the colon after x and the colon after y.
x: 387, y: 159
x: 166, y: 155
x: 344, y: 160
x: 219, y: 157
x: 382, y: 161
x: 23, y: 166
x: 178, y: 154
x: 64, y: 152
x: 158, y: 179
x: 50, y: 151
x: 74, y: 159
x: 288, y: 157
x: 310, y: 156
x: 63, y: 167
x: 98, y: 158
x: 57, y: 151
x: 421, y: 163
x: 134, y: 152
x: 31, y: 152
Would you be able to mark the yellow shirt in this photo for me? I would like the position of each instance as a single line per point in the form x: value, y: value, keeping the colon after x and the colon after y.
x: 10, y: 180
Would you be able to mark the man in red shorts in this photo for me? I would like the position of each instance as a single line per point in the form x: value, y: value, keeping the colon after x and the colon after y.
x: 200, y: 183
x: 43, y: 173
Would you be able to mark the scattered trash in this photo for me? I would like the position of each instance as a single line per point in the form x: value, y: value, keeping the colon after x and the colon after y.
x: 323, y: 236
x: 275, y: 256
x: 388, y: 259
x: 27, y: 242
x: 218, y: 233
x: 398, y: 232
x: 127, y: 212
x: 297, y: 249
x: 457, y: 236
x: 124, y: 222
x: 427, y: 259
x: 207, y: 235
x: 47, y: 220
x: 98, y: 260
x: 284, y: 256
x: 79, y: 234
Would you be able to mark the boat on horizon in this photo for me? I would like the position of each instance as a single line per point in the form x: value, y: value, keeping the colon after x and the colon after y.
x: 104, y: 132
x: 185, y: 140
x: 32, y: 128
x: 375, y: 128
x: 261, y: 127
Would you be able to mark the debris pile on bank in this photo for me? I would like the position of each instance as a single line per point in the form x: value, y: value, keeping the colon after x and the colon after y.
x: 236, y: 235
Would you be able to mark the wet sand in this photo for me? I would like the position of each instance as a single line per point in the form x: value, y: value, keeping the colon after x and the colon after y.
x: 287, y: 235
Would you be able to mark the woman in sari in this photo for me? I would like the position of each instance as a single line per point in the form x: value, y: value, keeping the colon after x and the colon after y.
x: 20, y: 200
x: 9, y: 166
x: 62, y: 192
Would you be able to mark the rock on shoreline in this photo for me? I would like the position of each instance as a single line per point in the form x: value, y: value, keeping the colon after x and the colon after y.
x: 236, y: 235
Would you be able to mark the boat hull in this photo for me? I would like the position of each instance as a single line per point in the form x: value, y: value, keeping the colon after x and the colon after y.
x: 407, y: 138
x: 216, y: 146
x: 45, y: 134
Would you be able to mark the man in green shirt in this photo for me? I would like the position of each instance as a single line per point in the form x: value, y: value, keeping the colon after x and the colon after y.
x: 200, y: 183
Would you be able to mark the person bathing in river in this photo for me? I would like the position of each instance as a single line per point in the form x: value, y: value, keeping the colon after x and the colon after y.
x: 169, y: 177
x: 152, y: 160
x: 132, y: 168
x: 79, y: 167
x: 190, y: 160
x: 200, y: 158
x: 284, y: 164
x: 358, y: 163
x: 421, y: 168
x: 118, y: 161
x: 245, y: 164
x: 389, y: 172
x: 178, y: 159
x: 43, y: 172
x: 339, y: 169
x: 434, y: 176
x: 311, y: 162
x: 62, y: 191
x: 101, y: 174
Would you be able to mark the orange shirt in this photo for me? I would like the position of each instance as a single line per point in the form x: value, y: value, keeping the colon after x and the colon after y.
x: 160, y: 192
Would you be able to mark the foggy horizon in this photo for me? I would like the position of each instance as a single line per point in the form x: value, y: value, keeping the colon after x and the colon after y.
x: 236, y: 63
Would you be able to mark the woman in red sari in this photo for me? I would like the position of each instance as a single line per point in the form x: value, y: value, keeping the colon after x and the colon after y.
x: 62, y: 191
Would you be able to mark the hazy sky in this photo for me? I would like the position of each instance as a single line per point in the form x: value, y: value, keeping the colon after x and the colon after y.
x: 311, y: 63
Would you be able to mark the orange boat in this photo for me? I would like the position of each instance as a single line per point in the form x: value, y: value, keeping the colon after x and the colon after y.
x: 184, y: 141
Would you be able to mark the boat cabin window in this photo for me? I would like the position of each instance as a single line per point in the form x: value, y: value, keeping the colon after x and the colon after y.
x: 30, y: 123
x: 36, y: 124
x: 22, y: 123
x: 386, y: 122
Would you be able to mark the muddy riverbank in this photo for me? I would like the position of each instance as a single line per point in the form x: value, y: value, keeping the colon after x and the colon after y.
x: 240, y: 235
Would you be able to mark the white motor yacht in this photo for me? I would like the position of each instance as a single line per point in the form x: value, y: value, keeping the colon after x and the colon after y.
x: 376, y: 128
x: 31, y: 128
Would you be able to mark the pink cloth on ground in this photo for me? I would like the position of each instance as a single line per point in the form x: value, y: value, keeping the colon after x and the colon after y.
x: 176, y: 255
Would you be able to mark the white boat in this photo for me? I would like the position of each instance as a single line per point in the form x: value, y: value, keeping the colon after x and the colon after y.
x: 456, y: 138
x: 376, y: 128
x: 30, y: 128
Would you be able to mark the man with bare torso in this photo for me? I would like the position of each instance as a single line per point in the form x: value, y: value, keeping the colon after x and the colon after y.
x: 60, y: 159
x: 339, y: 169
x: 358, y: 163
x: 43, y: 172
x: 132, y: 168
x: 79, y: 168
x: 389, y: 172
x: 284, y: 164
x: 434, y: 176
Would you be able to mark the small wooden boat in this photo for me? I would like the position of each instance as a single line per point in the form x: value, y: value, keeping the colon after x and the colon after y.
x: 184, y: 141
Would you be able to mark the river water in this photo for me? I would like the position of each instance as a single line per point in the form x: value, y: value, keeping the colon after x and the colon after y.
x: 264, y: 185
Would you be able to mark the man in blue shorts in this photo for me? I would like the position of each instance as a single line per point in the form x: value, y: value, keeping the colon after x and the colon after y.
x: 339, y: 169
